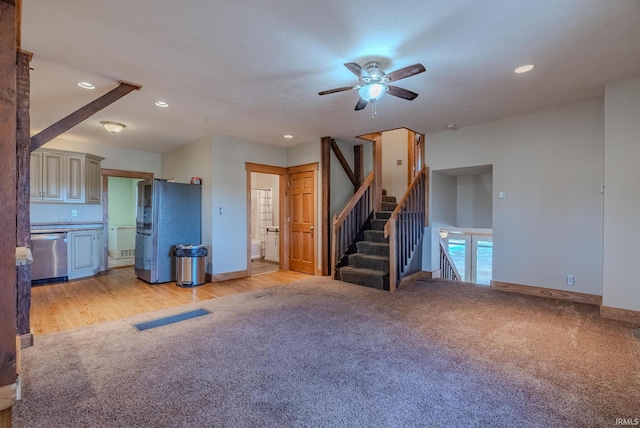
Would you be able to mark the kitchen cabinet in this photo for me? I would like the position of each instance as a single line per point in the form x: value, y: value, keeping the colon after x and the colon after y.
x: 47, y: 177
x: 60, y: 176
x: 84, y: 253
x: 93, y: 180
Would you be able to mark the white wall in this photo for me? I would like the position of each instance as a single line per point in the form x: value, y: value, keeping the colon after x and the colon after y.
x: 394, y: 149
x: 550, y: 164
x: 229, y: 192
x: 194, y: 160
x: 622, y: 195
x: 474, y: 201
x: 444, y: 200
x: 341, y: 187
x: 114, y: 157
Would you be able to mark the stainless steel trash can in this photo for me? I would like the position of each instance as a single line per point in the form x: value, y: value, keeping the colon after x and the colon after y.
x: 190, y: 264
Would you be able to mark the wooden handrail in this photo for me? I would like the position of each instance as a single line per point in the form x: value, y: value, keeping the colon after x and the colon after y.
x: 448, y: 269
x: 348, y: 224
x: 405, y: 227
x: 403, y: 201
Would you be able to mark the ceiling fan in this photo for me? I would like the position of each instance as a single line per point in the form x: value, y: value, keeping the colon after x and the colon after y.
x: 374, y: 83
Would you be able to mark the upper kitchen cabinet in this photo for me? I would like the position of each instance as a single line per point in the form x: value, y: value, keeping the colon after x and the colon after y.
x: 59, y: 176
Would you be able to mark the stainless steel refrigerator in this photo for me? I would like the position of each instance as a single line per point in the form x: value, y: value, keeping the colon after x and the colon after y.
x: 168, y: 214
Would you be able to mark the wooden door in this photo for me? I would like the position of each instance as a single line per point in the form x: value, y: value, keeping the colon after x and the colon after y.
x: 302, y: 197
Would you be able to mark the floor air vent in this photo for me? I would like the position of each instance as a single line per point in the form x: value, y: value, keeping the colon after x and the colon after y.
x: 170, y: 319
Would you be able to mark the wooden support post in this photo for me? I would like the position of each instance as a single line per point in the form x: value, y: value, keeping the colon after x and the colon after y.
x: 23, y: 161
x: 327, y: 222
x: 377, y: 167
x: 344, y: 163
x: 63, y: 125
x: 358, y: 164
x: 8, y: 119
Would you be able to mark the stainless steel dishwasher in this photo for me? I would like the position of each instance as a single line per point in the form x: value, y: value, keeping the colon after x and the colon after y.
x: 49, y: 252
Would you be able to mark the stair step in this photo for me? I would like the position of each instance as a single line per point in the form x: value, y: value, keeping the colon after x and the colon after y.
x: 368, y: 277
x: 374, y: 248
x: 378, y: 224
x: 369, y: 261
x: 386, y: 198
x: 375, y: 236
x: 388, y: 206
x: 383, y: 214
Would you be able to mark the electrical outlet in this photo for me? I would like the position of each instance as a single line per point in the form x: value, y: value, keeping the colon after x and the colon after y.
x: 571, y: 280
x: 219, y: 210
x: 74, y: 213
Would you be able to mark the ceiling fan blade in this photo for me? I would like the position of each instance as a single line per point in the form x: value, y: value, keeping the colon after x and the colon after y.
x: 401, y: 93
x: 361, y: 104
x: 405, y: 72
x: 333, y: 91
x: 355, y: 69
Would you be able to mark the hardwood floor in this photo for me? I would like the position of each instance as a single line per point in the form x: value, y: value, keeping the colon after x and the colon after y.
x: 118, y: 293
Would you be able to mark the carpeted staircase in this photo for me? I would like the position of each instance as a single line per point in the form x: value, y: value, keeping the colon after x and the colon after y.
x: 369, y: 265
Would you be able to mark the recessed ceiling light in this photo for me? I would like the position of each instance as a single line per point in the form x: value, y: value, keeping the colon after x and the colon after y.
x: 288, y: 136
x: 162, y: 104
x: 452, y: 127
x: 524, y: 68
x: 86, y: 85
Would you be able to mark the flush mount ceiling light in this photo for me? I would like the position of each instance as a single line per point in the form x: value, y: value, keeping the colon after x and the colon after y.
x: 452, y: 127
x: 113, y: 127
x: 162, y: 104
x: 524, y: 68
x: 288, y: 136
x: 86, y: 85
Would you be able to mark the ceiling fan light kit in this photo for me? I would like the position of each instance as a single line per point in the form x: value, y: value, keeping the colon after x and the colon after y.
x: 374, y: 83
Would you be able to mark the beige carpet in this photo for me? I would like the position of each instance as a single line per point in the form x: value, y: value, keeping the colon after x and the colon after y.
x: 325, y: 353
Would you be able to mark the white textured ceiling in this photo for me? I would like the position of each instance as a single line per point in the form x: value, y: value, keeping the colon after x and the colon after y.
x: 253, y: 69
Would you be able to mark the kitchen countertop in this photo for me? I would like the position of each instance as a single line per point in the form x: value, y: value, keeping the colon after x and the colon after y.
x: 65, y: 227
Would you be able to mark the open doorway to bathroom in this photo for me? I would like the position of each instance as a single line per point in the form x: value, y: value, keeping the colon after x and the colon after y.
x: 264, y: 222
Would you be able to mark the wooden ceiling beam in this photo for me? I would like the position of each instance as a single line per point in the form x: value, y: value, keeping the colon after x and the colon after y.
x: 63, y: 125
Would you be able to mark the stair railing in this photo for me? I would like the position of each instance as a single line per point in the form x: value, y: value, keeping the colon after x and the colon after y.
x: 448, y: 269
x: 351, y: 220
x: 405, y: 227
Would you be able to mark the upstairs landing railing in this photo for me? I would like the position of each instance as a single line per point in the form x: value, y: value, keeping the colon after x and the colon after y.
x: 447, y: 267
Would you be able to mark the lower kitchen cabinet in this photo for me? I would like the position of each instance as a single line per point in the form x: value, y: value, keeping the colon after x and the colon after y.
x: 85, y: 253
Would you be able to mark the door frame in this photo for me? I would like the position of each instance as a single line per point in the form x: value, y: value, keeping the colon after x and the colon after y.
x: 105, y: 174
x: 285, y: 230
x: 283, y: 226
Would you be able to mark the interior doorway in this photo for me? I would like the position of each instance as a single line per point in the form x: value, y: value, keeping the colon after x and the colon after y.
x: 130, y: 178
x: 265, y: 223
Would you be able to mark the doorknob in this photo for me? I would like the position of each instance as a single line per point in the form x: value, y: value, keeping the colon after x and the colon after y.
x: 310, y: 227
